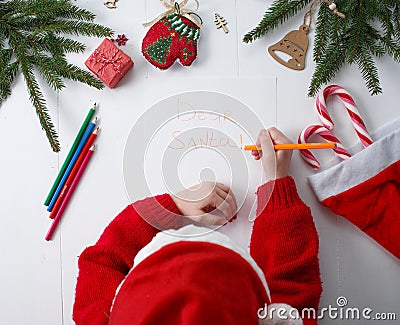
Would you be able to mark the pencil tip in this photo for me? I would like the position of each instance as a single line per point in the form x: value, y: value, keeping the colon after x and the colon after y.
x: 92, y: 147
x: 97, y: 130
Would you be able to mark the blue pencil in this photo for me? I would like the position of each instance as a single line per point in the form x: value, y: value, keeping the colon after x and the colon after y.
x: 82, y: 143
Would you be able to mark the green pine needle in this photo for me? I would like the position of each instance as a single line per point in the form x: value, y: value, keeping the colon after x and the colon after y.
x: 75, y: 73
x: 6, y: 78
x: 278, y: 13
x: 33, y: 38
x: 327, y: 67
x: 322, y: 32
x: 38, y: 101
x: 369, y: 72
x: 338, y: 41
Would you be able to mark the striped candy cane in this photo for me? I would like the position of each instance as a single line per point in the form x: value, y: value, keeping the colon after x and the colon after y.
x: 327, y: 135
x: 351, y: 108
x: 325, y: 130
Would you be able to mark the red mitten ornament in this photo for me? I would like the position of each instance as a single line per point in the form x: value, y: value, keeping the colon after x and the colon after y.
x: 173, y: 36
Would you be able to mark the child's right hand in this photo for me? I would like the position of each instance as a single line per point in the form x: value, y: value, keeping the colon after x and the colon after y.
x: 276, y: 164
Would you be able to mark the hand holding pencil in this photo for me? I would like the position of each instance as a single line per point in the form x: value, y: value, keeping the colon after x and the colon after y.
x: 275, y: 163
x: 296, y: 146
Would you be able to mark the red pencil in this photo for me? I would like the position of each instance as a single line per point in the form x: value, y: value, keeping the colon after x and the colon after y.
x: 74, y: 171
x: 69, y: 193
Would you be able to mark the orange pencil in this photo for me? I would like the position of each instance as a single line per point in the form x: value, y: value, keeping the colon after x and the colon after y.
x: 297, y: 146
x: 74, y: 171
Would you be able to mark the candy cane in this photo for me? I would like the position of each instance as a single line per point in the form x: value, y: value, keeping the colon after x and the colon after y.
x: 327, y: 135
x: 351, y: 108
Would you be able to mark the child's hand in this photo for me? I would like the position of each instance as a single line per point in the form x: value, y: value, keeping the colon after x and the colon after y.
x: 199, y: 200
x: 276, y: 163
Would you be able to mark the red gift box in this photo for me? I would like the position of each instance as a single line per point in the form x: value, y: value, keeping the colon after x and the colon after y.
x: 109, y: 63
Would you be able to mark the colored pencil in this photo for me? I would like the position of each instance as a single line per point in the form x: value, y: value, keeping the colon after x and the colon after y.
x: 69, y: 193
x: 294, y: 146
x: 73, y: 172
x: 70, y: 154
x: 72, y: 163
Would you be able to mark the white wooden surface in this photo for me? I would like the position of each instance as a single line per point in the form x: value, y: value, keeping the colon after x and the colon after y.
x: 38, y: 277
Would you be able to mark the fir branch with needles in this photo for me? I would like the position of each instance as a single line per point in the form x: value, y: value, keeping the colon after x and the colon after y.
x: 371, y: 29
x: 279, y: 12
x: 33, y: 40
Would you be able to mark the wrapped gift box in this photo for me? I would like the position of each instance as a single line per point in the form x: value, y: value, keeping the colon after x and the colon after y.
x: 109, y: 63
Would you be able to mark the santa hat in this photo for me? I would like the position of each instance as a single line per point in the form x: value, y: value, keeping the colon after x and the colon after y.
x: 365, y: 189
x: 192, y: 283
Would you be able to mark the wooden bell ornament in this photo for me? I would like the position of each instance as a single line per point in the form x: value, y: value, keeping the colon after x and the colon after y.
x: 111, y: 4
x: 295, y: 45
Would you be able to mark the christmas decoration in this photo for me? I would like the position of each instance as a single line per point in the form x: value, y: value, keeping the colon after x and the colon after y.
x: 351, y: 109
x: 111, y: 4
x: 30, y: 40
x: 120, y: 40
x: 221, y: 23
x: 325, y: 130
x: 109, y: 63
x: 325, y: 134
x: 370, y: 29
x: 174, y: 34
x: 294, y: 44
x: 365, y: 188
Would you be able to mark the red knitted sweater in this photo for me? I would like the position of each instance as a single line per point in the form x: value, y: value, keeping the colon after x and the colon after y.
x: 284, y: 243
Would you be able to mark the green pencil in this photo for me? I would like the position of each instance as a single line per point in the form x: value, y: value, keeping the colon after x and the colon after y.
x: 70, y: 154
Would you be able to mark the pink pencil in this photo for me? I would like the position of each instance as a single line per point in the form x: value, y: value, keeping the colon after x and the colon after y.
x: 69, y: 194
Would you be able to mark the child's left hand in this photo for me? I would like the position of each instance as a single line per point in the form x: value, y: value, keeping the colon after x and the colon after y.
x: 199, y: 200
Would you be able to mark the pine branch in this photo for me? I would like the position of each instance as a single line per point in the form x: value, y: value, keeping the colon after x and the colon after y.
x: 384, y: 16
x: 49, y: 43
x: 45, y: 10
x: 322, y: 34
x: 45, y: 66
x: 75, y: 73
x: 64, y: 10
x: 387, y: 45
x: 369, y: 72
x: 393, y: 49
x: 5, y: 80
x: 278, y: 13
x: 74, y: 28
x: 356, y: 31
x: 38, y: 101
x: 34, y: 31
x: 372, y: 43
x: 327, y: 67
x: 396, y: 20
x: 344, y: 41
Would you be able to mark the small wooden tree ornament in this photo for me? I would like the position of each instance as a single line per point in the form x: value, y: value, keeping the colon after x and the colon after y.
x: 220, y: 22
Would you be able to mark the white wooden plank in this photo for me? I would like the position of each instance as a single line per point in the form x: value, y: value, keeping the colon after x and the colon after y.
x: 31, y: 285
